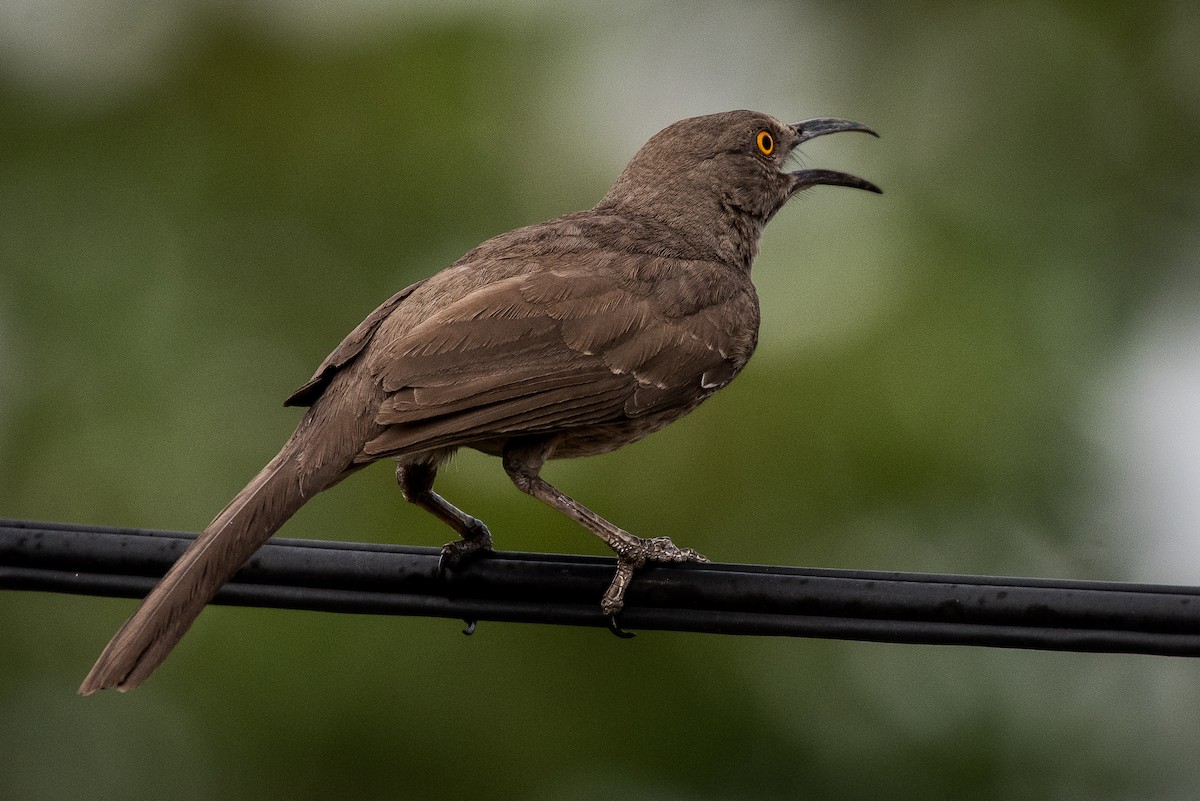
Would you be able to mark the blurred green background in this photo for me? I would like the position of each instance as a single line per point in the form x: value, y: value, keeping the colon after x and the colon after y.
x: 992, y: 368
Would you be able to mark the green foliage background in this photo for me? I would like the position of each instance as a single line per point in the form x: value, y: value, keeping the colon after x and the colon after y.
x: 198, y: 200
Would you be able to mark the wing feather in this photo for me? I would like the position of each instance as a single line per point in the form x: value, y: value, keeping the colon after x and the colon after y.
x: 347, y: 351
x: 546, y: 351
x: 529, y: 415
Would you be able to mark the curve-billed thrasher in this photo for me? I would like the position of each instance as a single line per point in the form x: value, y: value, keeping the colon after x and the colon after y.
x: 569, y: 338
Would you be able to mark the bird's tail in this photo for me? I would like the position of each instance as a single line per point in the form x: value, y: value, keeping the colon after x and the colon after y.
x: 257, y: 512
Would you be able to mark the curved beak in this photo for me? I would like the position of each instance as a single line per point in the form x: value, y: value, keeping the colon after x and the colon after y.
x: 811, y: 129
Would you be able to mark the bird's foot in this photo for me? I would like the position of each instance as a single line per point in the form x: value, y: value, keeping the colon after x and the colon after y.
x: 634, y: 555
x: 476, y: 540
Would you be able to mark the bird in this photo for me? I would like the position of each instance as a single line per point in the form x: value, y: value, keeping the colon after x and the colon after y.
x: 567, y: 338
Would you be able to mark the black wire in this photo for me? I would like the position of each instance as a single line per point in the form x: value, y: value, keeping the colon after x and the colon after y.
x: 542, y: 588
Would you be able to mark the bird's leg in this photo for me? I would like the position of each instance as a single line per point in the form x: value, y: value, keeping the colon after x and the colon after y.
x: 523, y: 466
x: 416, y: 482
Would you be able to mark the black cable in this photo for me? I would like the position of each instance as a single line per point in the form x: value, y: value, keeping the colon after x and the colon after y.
x: 541, y: 588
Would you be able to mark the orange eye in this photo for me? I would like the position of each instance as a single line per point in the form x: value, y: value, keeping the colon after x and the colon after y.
x: 766, y: 143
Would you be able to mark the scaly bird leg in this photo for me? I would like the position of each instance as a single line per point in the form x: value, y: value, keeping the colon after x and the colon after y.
x: 523, y: 465
x: 416, y: 482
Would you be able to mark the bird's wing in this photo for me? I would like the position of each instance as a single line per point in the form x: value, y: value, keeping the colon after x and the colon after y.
x: 544, y: 352
x: 349, y: 348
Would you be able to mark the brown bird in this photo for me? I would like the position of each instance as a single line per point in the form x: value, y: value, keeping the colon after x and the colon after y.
x: 569, y: 338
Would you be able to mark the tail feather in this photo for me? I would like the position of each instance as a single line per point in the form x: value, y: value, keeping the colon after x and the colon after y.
x: 257, y: 512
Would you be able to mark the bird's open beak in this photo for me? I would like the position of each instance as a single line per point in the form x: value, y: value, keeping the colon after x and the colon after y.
x: 811, y: 129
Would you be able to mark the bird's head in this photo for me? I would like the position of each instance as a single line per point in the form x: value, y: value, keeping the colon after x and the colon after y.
x: 705, y: 173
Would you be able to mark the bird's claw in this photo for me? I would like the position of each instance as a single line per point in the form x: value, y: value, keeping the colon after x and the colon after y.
x: 631, y: 557
x: 476, y: 540
x: 443, y: 564
x: 661, y: 549
x: 616, y: 629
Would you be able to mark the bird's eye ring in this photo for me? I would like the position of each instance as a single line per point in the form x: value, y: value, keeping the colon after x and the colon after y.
x: 766, y: 143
